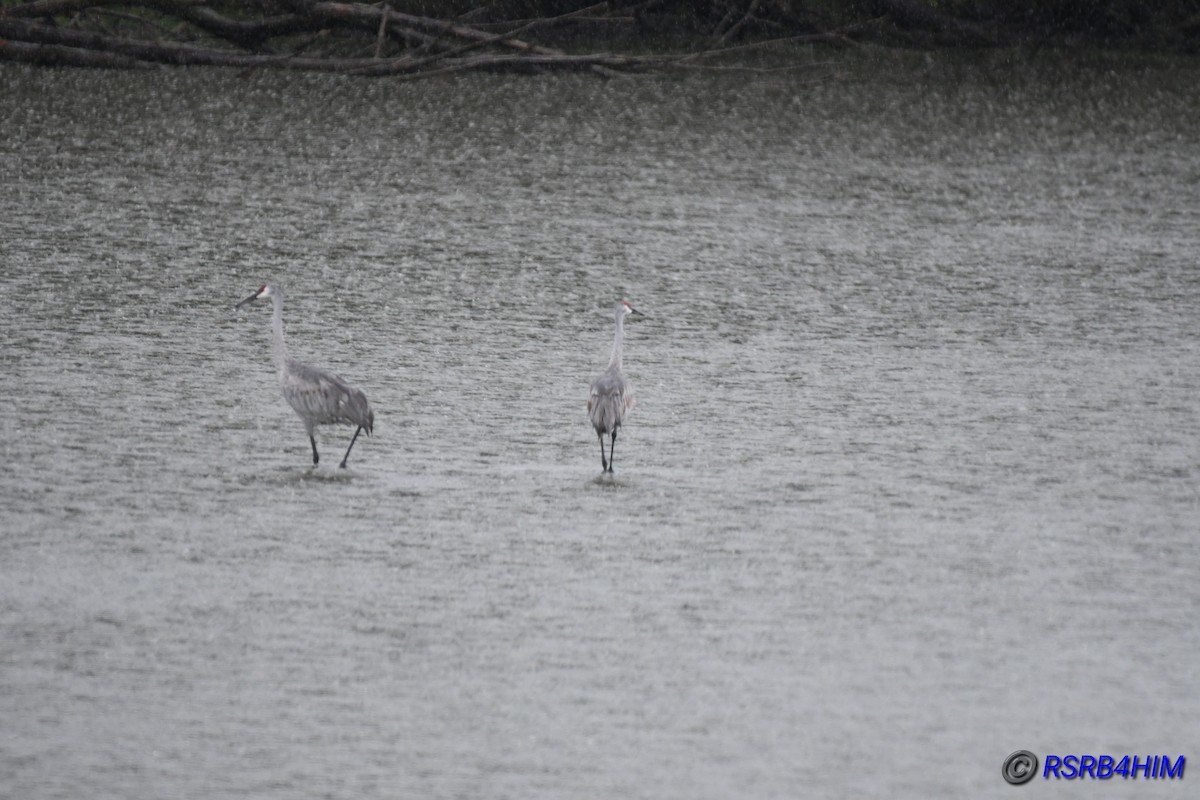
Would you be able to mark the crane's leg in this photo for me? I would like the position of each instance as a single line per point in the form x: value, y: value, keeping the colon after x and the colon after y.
x: 612, y: 450
x: 351, y: 447
x: 316, y: 457
x: 603, y: 460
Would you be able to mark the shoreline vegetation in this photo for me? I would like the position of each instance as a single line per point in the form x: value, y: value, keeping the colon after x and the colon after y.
x: 413, y: 39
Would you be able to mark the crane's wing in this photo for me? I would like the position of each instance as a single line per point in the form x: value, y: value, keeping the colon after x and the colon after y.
x: 610, y: 398
x: 322, y: 398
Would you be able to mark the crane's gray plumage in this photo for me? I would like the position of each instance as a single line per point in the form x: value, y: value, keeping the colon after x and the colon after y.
x: 612, y: 394
x: 318, y: 396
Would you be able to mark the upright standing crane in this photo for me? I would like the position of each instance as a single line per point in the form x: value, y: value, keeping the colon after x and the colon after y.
x: 318, y: 396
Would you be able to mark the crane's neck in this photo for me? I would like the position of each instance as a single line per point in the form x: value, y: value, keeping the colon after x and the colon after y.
x: 279, y: 348
x: 618, y: 341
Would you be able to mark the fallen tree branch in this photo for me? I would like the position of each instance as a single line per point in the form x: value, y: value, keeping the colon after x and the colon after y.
x: 127, y: 53
x: 531, y: 63
x: 380, y: 37
x: 59, y: 55
x: 54, y: 8
x: 733, y: 29
x: 270, y: 34
x: 118, y: 52
x: 349, y: 13
x: 499, y: 38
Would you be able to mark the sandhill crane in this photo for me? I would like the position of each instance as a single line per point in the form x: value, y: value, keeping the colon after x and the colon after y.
x: 319, y: 397
x: 612, y: 395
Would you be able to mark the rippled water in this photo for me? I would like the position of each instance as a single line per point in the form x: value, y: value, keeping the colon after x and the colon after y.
x: 911, y: 481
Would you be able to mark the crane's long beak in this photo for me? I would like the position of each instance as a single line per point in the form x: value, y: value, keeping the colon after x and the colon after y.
x: 248, y: 300
x: 634, y: 312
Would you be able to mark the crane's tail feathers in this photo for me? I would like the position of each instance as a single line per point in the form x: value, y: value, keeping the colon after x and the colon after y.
x: 606, y: 412
x: 354, y: 408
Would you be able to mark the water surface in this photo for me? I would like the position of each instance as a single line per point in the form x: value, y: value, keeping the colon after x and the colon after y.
x: 910, y: 482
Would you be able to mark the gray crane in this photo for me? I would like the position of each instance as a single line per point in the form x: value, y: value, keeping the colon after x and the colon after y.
x: 319, y: 397
x: 612, y: 395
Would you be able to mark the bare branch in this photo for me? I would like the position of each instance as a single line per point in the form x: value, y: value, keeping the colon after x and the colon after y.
x: 729, y: 34
x: 270, y: 34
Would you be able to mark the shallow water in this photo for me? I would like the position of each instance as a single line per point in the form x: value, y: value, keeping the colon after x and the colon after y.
x: 910, y: 483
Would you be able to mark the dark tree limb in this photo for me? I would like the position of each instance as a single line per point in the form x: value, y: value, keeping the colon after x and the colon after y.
x: 58, y: 55
x: 737, y: 26
x: 137, y: 53
x: 507, y: 36
x: 54, y: 8
x: 244, y: 33
x: 271, y: 34
x: 354, y: 14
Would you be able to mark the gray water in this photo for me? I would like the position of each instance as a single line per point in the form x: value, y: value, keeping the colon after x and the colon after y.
x: 911, y: 481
